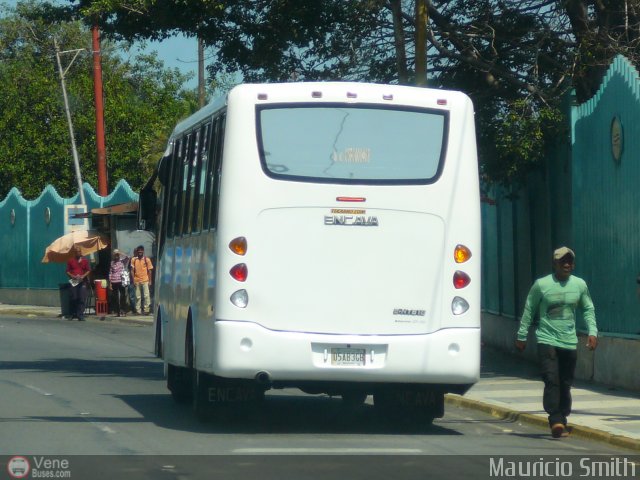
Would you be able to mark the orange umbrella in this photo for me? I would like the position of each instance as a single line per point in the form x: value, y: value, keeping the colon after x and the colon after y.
x: 86, y: 241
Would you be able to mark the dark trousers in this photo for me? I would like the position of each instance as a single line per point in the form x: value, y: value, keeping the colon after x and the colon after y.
x: 78, y: 296
x: 558, y: 366
x: 118, y: 297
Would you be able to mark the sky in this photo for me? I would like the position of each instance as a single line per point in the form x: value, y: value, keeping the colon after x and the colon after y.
x: 176, y: 52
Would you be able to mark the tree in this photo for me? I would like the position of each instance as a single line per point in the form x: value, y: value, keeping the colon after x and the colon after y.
x: 143, y: 101
x: 517, y: 59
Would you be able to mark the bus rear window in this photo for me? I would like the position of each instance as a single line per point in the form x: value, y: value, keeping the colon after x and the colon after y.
x: 351, y: 144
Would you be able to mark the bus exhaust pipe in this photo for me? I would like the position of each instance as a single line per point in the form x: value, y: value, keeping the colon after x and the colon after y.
x: 263, y: 378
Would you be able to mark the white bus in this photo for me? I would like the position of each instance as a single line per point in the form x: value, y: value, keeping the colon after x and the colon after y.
x: 322, y: 236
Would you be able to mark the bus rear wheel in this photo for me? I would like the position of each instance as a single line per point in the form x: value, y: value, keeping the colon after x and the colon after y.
x: 353, y: 399
x: 224, y: 399
x: 201, y: 406
x: 411, y: 406
x: 179, y: 383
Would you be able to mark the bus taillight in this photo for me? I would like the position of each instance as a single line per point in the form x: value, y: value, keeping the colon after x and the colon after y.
x: 238, y: 245
x: 460, y: 279
x: 461, y: 254
x: 239, y: 272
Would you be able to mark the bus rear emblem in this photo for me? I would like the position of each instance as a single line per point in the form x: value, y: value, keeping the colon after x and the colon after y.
x: 408, y: 311
x: 351, y: 220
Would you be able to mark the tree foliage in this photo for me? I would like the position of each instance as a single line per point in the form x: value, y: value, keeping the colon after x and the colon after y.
x: 142, y: 100
x: 517, y: 59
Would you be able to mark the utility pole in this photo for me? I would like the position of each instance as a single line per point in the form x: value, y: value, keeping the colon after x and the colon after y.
x: 101, y: 159
x: 201, y: 92
x: 421, y: 18
x: 76, y: 161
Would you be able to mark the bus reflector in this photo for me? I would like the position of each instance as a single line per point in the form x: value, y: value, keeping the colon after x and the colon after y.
x: 239, y: 272
x: 459, y: 305
x: 240, y: 298
x: 461, y: 254
x: 238, y: 245
x: 460, y: 279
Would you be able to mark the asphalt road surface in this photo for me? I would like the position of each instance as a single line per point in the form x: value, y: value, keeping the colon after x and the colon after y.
x: 93, y: 393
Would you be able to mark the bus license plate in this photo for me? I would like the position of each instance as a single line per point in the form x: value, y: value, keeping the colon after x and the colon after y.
x: 348, y: 356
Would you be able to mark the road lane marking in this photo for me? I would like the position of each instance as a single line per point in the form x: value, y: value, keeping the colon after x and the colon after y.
x: 39, y: 390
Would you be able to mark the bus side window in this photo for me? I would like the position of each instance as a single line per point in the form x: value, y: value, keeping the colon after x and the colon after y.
x: 210, y: 173
x: 200, y: 174
x: 174, y: 195
x: 165, y: 177
x: 183, y: 166
x: 191, y: 161
x: 217, y: 161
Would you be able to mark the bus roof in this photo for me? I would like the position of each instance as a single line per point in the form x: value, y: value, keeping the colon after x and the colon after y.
x: 197, y: 117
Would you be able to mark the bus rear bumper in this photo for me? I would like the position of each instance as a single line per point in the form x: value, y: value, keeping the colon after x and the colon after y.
x: 247, y: 350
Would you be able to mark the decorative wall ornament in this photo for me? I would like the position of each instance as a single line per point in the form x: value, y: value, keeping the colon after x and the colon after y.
x: 617, y: 139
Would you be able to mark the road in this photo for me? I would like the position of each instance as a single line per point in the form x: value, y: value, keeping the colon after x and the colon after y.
x: 94, y: 388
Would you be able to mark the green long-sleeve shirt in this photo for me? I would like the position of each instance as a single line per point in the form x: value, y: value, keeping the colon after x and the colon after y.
x: 556, y: 302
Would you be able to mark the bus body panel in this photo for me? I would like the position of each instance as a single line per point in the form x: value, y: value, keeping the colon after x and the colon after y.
x: 336, y: 269
x: 312, y: 282
x: 449, y: 356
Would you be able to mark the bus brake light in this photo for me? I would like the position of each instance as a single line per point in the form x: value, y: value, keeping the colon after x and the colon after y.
x: 461, y: 279
x: 239, y: 272
x: 351, y: 199
x: 238, y: 245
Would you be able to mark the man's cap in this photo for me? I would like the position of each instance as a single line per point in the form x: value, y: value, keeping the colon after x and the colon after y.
x: 116, y: 251
x: 561, y: 252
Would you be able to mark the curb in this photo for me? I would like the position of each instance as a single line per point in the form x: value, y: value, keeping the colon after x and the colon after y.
x: 134, y: 321
x: 579, y: 431
x: 29, y: 313
x: 93, y: 318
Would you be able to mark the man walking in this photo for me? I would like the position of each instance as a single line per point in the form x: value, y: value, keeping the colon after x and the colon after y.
x: 555, y: 299
x: 141, y: 273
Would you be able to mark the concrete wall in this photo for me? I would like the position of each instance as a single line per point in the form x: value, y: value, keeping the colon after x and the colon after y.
x: 613, y: 363
x: 28, y: 296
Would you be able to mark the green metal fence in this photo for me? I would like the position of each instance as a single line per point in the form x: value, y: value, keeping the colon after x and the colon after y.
x: 585, y: 197
x: 27, y: 227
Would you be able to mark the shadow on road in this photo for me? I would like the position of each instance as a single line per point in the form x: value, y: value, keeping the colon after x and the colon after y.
x: 279, y: 414
x: 149, y: 369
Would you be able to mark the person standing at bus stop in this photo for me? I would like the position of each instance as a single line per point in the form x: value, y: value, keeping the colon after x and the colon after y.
x: 118, y: 282
x: 141, y: 274
x: 78, y: 270
x: 555, y: 298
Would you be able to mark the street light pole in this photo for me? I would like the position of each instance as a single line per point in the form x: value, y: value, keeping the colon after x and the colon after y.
x: 201, y: 91
x: 101, y: 161
x: 76, y: 161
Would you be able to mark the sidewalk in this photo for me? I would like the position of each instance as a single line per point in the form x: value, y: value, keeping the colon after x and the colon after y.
x: 55, y: 312
x: 509, y: 387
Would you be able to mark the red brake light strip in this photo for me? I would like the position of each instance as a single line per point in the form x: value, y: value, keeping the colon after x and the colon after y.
x: 351, y: 199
